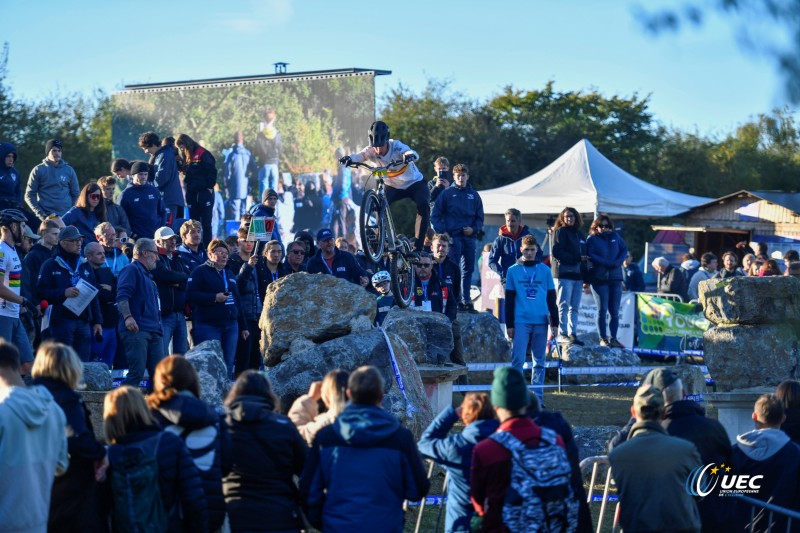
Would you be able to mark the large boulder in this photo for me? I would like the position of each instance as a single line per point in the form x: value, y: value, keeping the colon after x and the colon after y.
x: 292, y: 376
x: 751, y: 300
x: 484, y: 342
x: 207, y: 359
x: 97, y: 377
x: 312, y: 307
x: 741, y: 357
x: 597, y: 356
x: 429, y: 336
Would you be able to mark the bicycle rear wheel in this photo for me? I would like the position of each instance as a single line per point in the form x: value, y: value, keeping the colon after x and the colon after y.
x: 404, y: 278
x: 372, y: 223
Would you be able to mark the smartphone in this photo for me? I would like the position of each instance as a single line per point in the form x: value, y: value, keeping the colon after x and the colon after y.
x: 445, y: 175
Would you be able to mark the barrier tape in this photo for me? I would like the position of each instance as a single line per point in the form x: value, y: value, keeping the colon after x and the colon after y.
x: 482, y: 367
x: 440, y: 500
x: 410, y: 409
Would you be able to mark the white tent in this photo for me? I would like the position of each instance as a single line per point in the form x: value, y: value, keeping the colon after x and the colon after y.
x: 584, y: 179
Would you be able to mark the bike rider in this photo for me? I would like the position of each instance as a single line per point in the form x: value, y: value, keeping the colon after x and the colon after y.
x: 403, y: 182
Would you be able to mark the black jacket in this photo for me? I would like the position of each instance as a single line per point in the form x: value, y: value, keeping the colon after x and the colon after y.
x: 170, y: 276
x: 249, y: 284
x: 178, y: 479
x: 204, y: 434
x: 433, y: 293
x: 344, y: 266
x: 31, y: 266
x: 107, y: 298
x: 268, y: 450
x: 568, y: 247
x: 74, y: 503
x: 450, y: 277
x: 792, y: 424
x: 54, y: 280
x: 201, y: 289
x: 200, y: 172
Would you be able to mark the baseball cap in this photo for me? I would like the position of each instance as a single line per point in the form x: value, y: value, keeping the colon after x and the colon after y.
x: 648, y: 398
x: 30, y: 234
x: 164, y: 232
x: 68, y: 233
x: 661, y: 377
x: 324, y: 235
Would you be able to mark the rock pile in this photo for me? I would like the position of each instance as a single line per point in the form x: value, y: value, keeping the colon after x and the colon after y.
x: 597, y: 356
x: 754, y: 338
x: 207, y: 359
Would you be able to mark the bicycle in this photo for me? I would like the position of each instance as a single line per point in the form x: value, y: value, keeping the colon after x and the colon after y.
x: 379, y: 239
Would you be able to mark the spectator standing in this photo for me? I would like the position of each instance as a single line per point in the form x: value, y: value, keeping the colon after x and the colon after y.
x: 33, y: 261
x: 729, y: 269
x: 530, y: 309
x: 506, y: 248
x: 689, y: 267
x: 747, y: 261
x: 332, y: 392
x: 131, y: 431
x: 670, y: 279
x: 788, y: 391
x: 89, y: 211
x: 362, y: 466
x: 449, y: 275
x: 789, y: 257
x: 115, y: 215
x: 142, y: 203
x: 443, y: 179
x: 176, y: 406
x: 454, y: 452
x: 163, y: 160
x: 459, y: 213
x: 75, y: 502
x: 267, y: 452
x: 239, y: 166
x: 10, y: 180
x: 381, y: 281
x: 58, y: 280
x: 121, y: 169
x: 104, y: 348
x: 671, y: 507
x: 632, y: 277
x: 271, y: 269
x: 568, y: 264
x: 217, y: 312
x: 707, y: 270
x: 330, y: 260
x: 191, y: 252
x: 607, y: 252
x: 295, y: 256
x: 769, y: 268
x: 170, y: 277
x: 248, y: 268
x: 269, y: 201
x: 115, y: 260
x: 140, y: 324
x: 200, y: 177
x: 52, y: 187
x: 33, y: 450
x: 268, y: 151
x: 428, y: 291
x: 12, y: 302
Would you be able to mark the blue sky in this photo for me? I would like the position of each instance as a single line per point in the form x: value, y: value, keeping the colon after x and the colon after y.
x: 698, y: 80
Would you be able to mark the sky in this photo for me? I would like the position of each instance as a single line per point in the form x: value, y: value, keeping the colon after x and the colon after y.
x: 698, y: 80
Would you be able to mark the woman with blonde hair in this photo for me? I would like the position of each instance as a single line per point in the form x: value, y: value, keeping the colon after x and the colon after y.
x: 305, y: 411
x: 176, y: 406
x: 74, y: 504
x: 134, y: 437
x: 454, y: 452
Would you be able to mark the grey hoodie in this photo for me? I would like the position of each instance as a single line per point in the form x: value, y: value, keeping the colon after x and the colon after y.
x: 33, y: 450
x: 761, y: 444
x: 52, y: 188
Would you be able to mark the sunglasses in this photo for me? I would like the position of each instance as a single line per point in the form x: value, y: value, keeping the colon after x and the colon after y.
x: 426, y: 265
x: 73, y: 241
x: 605, y: 226
x: 298, y: 252
x: 94, y: 196
x: 123, y: 240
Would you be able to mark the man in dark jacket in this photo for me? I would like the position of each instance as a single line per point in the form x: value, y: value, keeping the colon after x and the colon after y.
x: 115, y: 215
x: 670, y: 279
x: 140, y: 325
x: 459, y: 212
x: 249, y: 270
x: 38, y: 254
x: 330, y: 260
x: 632, y: 277
x: 506, y: 247
x: 10, y: 180
x: 103, y: 350
x: 268, y: 152
x: 449, y: 275
x: 164, y: 175
x: 58, y: 282
x: 170, y: 277
x: 363, y: 466
x: 143, y: 203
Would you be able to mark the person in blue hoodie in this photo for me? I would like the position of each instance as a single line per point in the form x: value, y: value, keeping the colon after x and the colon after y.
x: 142, y: 203
x: 454, y: 452
x: 607, y: 252
x: 239, y: 166
x: 458, y: 211
x: 164, y: 174
x: 363, y: 466
x: 10, y: 180
x: 89, y: 211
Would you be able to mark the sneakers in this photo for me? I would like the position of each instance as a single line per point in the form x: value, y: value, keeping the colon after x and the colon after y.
x: 466, y: 308
x: 574, y: 340
x: 605, y: 342
x: 615, y: 343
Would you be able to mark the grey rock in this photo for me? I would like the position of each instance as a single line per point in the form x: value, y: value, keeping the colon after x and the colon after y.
x: 484, y: 342
x: 94, y: 403
x: 206, y: 358
x: 96, y: 377
x: 593, y: 356
x: 751, y: 300
x: 429, y: 336
x: 592, y: 440
x: 693, y: 379
x: 740, y: 357
x: 293, y: 375
x: 317, y: 307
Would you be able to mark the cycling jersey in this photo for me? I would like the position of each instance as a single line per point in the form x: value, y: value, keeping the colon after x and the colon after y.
x: 11, y: 271
x: 401, y: 177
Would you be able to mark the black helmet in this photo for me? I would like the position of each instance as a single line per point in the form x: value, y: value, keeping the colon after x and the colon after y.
x: 378, y: 133
x: 8, y: 216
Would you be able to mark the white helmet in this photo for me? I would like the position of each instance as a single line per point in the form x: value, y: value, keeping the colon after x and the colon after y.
x: 380, y: 277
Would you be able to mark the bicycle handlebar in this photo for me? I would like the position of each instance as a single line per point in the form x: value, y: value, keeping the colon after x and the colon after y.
x: 372, y: 169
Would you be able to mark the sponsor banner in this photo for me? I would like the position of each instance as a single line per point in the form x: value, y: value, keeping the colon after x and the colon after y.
x: 670, y: 326
x: 587, y: 317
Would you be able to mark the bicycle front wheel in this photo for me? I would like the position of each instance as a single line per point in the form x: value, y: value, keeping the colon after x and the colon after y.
x: 373, y: 226
x: 404, y: 278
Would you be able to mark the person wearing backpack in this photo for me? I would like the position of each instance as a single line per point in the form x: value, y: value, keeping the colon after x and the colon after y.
x: 151, y: 468
x: 176, y: 405
x: 520, y: 478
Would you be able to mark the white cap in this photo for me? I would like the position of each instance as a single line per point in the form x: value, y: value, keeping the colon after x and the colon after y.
x: 164, y: 233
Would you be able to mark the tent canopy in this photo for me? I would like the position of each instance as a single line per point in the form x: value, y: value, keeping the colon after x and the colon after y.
x: 584, y: 179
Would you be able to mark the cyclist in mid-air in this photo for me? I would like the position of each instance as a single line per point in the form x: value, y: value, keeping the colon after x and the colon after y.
x: 404, y: 181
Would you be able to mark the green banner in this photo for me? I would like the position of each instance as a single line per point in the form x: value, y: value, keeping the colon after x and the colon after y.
x: 671, y: 326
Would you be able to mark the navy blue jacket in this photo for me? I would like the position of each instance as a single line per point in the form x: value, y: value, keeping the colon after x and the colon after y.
x: 506, y: 250
x: 178, y: 478
x: 385, y: 304
x: 454, y: 452
x: 31, y: 266
x: 136, y: 285
x: 202, y: 287
x: 170, y: 276
x: 344, y: 266
x: 83, y: 219
x: 607, y: 250
x: 633, y: 278
x: 360, y: 470
x: 107, y: 298
x: 450, y: 277
x: 191, y: 260
x: 55, y: 279
x: 457, y: 208
x: 249, y: 285
x: 568, y: 247
x: 434, y: 294
x: 201, y: 172
x: 10, y: 180
x: 165, y: 175
x: 261, y: 210
x: 145, y: 209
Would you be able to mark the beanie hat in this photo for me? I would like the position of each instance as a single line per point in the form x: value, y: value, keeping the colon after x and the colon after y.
x: 139, y: 166
x: 509, y: 389
x: 267, y: 194
x: 52, y: 143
